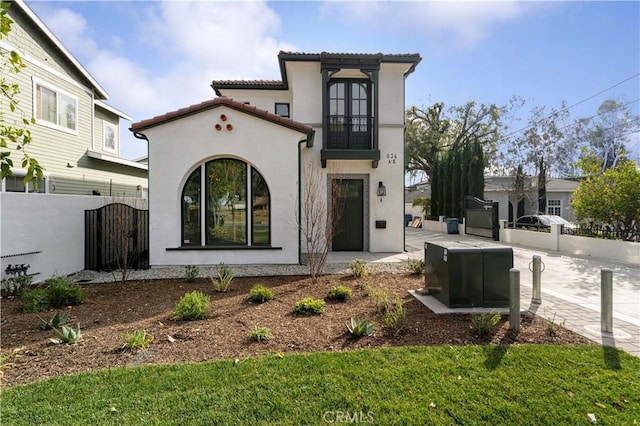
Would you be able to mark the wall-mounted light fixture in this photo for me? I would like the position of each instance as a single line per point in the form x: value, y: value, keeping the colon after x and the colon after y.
x: 69, y: 165
x: 382, y: 190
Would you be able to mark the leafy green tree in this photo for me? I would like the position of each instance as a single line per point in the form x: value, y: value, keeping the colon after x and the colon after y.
x: 13, y: 136
x: 432, y: 131
x: 604, y: 137
x: 612, y: 198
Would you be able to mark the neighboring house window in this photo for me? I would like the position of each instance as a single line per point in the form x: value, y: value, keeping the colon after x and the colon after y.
x: 235, y: 203
x: 554, y: 207
x: 350, y: 116
x: 282, y: 109
x: 109, y: 137
x: 54, y: 107
x: 15, y: 183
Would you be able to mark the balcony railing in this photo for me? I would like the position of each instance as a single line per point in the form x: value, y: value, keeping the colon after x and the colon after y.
x: 349, y: 132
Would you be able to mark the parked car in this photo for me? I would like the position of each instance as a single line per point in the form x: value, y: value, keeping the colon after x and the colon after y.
x: 542, y: 222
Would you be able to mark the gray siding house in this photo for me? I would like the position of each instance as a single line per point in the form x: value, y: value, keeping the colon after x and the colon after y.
x: 76, y: 137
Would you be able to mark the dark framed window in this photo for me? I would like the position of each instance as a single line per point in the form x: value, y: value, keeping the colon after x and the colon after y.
x: 350, y: 114
x: 234, y: 205
x: 282, y: 109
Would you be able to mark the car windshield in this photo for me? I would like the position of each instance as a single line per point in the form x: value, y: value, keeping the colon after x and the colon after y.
x: 556, y: 219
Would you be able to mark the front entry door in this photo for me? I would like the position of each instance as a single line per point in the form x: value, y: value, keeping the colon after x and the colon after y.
x: 348, y: 199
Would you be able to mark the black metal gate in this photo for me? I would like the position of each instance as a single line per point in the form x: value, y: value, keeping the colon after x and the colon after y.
x: 116, y: 236
x: 481, y: 218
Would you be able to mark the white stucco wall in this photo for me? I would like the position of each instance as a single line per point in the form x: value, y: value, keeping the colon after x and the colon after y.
x: 50, y: 224
x: 176, y: 148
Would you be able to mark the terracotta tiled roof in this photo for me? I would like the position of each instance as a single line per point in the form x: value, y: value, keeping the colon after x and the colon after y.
x: 216, y: 102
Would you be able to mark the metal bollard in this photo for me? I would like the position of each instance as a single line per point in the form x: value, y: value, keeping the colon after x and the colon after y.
x: 536, y: 297
x: 514, y: 300
x: 606, y: 301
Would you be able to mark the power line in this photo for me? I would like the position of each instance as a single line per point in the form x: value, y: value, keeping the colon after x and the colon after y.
x: 602, y: 113
x: 574, y: 105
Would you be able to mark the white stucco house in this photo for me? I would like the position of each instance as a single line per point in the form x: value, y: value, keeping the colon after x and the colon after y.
x: 226, y: 176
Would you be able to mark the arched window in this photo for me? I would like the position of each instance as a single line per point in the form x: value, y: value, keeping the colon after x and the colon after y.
x: 235, y: 204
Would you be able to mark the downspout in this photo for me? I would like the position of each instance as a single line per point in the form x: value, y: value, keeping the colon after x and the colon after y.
x: 309, y: 142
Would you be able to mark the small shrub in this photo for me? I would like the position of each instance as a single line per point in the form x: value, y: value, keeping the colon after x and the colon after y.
x: 260, y: 334
x: 191, y: 273
x: 552, y: 326
x: 260, y: 294
x: 192, y: 306
x: 415, y: 266
x: 62, y: 292
x: 485, y: 322
x: 55, y: 322
x: 360, y: 328
x: 358, y: 268
x: 225, y: 276
x: 309, y: 306
x: 139, y: 339
x: 339, y: 293
x: 13, y: 286
x: 395, y: 317
x: 35, y: 299
x: 67, y: 335
x: 380, y: 298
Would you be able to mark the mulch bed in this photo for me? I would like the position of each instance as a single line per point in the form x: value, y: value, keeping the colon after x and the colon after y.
x: 113, y: 309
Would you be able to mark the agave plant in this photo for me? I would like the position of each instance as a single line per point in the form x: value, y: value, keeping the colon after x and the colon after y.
x: 56, y: 322
x: 359, y: 328
x: 67, y: 334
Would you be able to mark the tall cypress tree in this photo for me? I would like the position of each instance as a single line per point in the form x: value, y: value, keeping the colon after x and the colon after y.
x: 476, y: 171
x: 435, y: 189
x: 456, y: 171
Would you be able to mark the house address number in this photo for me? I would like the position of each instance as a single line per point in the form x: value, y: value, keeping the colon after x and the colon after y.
x: 392, y: 157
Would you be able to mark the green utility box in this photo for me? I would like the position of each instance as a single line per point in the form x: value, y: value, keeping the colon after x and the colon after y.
x: 468, y: 274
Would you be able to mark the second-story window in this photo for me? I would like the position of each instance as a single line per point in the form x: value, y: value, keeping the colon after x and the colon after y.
x: 109, y: 137
x: 350, y: 118
x: 54, y: 107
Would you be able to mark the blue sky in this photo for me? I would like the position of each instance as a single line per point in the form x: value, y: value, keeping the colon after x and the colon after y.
x: 154, y: 57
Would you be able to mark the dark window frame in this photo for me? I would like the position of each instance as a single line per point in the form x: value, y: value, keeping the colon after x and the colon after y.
x: 283, y: 104
x: 203, y: 209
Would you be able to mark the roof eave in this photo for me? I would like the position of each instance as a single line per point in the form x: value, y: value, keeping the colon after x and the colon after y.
x: 69, y: 56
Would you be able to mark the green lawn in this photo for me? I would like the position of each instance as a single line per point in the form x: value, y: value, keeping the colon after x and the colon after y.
x: 471, y: 385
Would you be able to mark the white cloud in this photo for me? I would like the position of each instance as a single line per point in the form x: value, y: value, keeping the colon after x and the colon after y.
x: 452, y: 23
x: 197, y: 41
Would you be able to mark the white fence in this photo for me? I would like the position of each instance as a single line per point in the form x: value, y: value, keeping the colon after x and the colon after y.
x: 46, y: 231
x: 622, y: 251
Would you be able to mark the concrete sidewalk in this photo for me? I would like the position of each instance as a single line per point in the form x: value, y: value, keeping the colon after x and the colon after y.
x: 570, y: 288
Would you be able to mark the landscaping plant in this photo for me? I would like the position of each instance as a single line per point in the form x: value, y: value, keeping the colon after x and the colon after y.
x: 225, y: 276
x: 485, y: 322
x: 191, y: 273
x: 260, y: 334
x: 260, y: 294
x: 360, y: 328
x: 416, y: 266
x: 358, y: 268
x: 309, y: 306
x: 395, y: 317
x: 552, y: 326
x: 35, y: 299
x: 67, y: 335
x: 339, y: 293
x: 13, y: 286
x: 192, y: 306
x: 55, y: 322
x: 139, y: 339
x: 62, y: 292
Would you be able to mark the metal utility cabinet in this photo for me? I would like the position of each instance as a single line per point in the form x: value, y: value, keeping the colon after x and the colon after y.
x: 468, y: 274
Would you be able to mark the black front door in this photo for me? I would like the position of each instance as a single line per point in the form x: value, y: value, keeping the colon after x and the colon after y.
x: 348, y: 205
